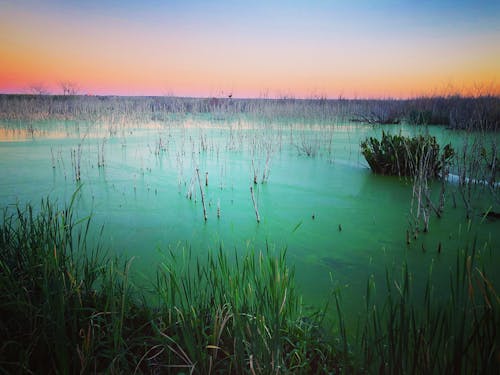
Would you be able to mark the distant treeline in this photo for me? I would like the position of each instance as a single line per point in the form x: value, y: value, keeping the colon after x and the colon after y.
x: 457, y: 112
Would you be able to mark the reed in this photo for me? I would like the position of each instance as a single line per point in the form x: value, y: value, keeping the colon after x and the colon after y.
x: 477, y: 167
x: 100, y: 154
x: 454, y: 332
x: 57, y: 296
x: 202, y: 195
x: 76, y: 159
x: 218, y: 316
x: 257, y: 216
x: 255, y: 172
x: 67, y: 307
x: 458, y: 112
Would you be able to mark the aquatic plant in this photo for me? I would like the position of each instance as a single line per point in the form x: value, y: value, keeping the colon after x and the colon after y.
x: 257, y: 216
x: 237, y: 316
x: 477, y: 167
x: 202, y: 195
x: 419, y: 158
x: 401, y: 156
x: 454, y: 332
x: 64, y: 306
x: 100, y: 153
x: 76, y: 159
x: 67, y: 307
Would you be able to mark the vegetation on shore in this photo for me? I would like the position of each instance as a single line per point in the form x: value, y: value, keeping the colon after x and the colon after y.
x: 67, y: 307
x: 457, y: 112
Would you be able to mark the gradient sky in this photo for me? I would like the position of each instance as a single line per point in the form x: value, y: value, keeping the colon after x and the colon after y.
x: 377, y: 48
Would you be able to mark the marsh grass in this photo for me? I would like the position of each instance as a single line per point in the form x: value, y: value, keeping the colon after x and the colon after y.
x: 240, y: 315
x: 64, y: 306
x: 480, y: 112
x: 68, y: 307
x: 454, y: 333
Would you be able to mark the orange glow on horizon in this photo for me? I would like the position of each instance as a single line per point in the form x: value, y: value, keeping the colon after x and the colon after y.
x: 117, y: 56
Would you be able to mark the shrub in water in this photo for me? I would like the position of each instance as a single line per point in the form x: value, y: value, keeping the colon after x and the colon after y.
x: 404, y: 156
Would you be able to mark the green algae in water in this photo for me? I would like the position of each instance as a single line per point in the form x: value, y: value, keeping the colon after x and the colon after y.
x: 144, y: 196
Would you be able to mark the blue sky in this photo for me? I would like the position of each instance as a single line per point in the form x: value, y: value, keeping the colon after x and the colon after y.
x: 367, y: 48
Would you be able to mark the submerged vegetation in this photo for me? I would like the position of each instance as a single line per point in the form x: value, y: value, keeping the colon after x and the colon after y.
x: 67, y: 307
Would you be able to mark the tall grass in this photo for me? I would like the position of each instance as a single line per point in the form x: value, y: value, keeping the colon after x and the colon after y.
x: 437, y: 333
x: 59, y: 297
x: 237, y: 316
x: 480, y: 112
x: 67, y: 307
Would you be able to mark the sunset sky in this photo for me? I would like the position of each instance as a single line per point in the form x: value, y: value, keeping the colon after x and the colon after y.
x: 257, y: 48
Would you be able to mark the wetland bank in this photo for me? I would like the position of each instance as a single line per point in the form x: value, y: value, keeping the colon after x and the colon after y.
x: 220, y: 217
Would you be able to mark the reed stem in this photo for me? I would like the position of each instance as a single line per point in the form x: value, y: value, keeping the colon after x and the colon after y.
x: 202, y: 195
x: 255, y: 205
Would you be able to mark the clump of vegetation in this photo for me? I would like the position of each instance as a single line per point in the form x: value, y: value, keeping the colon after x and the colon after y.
x: 454, y: 332
x: 401, y: 156
x: 68, y: 308
x: 64, y: 306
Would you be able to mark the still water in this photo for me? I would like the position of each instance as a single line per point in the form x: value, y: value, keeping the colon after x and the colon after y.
x: 340, y: 223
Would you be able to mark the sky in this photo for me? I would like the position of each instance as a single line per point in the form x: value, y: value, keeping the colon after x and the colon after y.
x: 273, y: 48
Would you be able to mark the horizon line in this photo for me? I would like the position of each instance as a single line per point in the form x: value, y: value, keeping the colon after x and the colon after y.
x: 274, y: 98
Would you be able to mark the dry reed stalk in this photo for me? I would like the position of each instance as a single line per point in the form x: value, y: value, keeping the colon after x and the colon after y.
x: 202, y: 195
x: 254, y: 173
x: 255, y: 205
x: 52, y: 158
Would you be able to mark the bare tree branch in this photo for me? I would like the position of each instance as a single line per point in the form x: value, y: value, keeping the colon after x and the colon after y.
x: 68, y: 87
x: 38, y: 89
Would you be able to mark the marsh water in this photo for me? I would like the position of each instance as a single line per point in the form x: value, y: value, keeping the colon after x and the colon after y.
x: 316, y: 196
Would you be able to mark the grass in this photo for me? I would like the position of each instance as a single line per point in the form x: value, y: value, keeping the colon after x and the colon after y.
x: 63, y: 304
x: 67, y: 307
x: 480, y: 112
x: 455, y: 333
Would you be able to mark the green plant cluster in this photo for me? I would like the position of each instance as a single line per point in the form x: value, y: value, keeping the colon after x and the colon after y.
x: 455, y: 333
x: 64, y: 307
x: 67, y: 308
x: 398, y: 155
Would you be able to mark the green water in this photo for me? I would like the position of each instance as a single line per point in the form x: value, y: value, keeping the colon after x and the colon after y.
x: 339, y: 222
